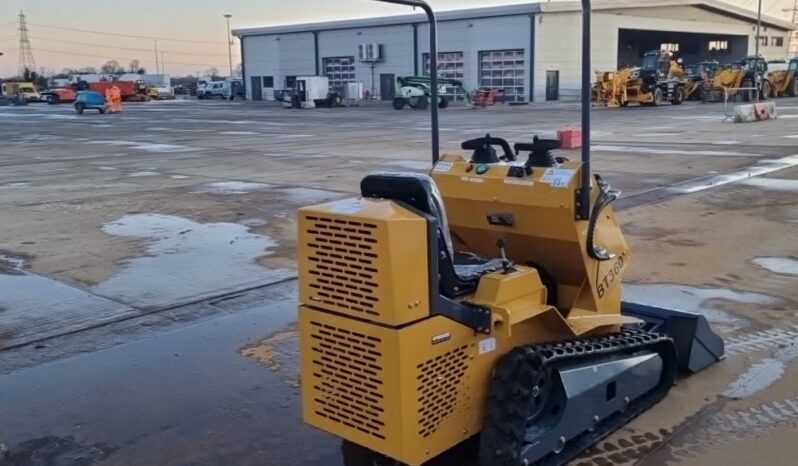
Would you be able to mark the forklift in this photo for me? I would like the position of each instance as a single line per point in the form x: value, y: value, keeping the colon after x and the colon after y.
x: 481, y: 304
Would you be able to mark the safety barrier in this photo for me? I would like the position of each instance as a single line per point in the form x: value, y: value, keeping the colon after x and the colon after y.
x: 758, y: 111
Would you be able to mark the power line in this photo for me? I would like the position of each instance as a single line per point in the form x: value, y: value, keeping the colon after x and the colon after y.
x: 127, y: 48
x: 112, y: 57
x: 166, y: 39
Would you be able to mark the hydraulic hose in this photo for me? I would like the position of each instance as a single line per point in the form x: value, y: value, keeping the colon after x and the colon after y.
x: 606, y: 197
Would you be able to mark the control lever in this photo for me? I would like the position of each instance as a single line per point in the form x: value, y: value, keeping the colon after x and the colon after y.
x: 507, y: 265
x: 484, y: 152
x: 540, y: 152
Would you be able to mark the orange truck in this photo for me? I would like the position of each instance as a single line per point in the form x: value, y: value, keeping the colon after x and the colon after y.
x: 59, y: 95
x: 128, y: 88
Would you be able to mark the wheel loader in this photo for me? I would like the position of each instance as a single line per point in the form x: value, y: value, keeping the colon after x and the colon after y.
x: 481, y: 304
x: 658, y: 78
x: 739, y: 80
x: 784, y: 77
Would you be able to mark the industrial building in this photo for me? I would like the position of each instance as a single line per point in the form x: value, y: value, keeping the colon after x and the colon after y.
x: 529, y: 52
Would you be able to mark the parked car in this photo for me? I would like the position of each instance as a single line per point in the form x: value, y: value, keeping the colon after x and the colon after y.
x: 211, y: 90
x: 89, y: 100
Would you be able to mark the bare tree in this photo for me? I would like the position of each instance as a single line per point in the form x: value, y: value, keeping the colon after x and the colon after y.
x: 134, y: 66
x: 112, y: 67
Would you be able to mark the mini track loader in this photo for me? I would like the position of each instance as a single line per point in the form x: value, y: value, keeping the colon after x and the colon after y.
x: 481, y: 303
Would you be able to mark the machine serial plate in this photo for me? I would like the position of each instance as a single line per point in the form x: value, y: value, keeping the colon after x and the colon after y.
x: 558, y: 177
x: 443, y: 167
x: 487, y: 346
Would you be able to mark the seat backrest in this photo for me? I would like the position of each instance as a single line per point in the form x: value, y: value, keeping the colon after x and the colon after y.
x: 414, y: 189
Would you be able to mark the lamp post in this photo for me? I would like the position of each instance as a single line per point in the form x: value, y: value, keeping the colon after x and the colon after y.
x: 757, y: 77
x: 157, y: 69
x: 1, y: 88
x: 229, y: 43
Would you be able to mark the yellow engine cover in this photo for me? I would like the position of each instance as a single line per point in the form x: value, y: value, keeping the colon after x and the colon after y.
x: 365, y: 258
x: 410, y: 393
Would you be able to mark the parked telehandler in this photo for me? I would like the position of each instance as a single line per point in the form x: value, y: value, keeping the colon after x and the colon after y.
x: 481, y: 304
x: 659, y: 78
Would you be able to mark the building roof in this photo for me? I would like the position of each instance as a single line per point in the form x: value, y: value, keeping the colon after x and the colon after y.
x: 716, y: 6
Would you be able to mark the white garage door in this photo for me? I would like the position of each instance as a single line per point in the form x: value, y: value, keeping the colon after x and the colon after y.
x: 503, y: 70
x: 340, y: 70
x: 450, y: 65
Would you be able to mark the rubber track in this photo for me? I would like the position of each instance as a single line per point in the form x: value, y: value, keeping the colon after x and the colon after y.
x: 512, y: 396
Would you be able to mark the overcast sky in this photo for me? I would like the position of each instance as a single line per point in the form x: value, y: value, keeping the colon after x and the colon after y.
x: 195, y: 20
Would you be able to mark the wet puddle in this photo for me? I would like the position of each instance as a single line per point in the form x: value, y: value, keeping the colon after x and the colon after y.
x: 179, y: 397
x: 778, y: 265
x: 187, y: 260
x: 764, y: 373
x: 52, y: 450
x: 33, y: 307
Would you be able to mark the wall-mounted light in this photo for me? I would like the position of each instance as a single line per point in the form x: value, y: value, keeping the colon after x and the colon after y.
x: 470, y: 25
x: 360, y: 33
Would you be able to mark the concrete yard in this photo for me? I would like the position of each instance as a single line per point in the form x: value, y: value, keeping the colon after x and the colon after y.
x: 148, y: 274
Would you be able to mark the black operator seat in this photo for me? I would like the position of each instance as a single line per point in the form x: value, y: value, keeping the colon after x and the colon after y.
x: 459, y: 271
